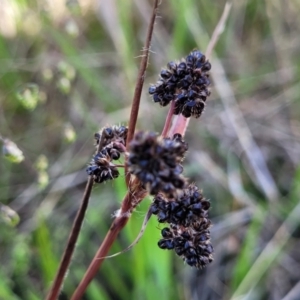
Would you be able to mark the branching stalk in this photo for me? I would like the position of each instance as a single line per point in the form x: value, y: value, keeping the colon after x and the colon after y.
x: 136, y: 193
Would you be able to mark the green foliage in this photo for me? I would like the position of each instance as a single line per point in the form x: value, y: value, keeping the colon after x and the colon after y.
x: 11, y: 152
x: 28, y: 96
x: 8, y: 216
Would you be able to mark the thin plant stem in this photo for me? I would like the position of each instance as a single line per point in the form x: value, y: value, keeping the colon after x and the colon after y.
x: 69, y: 250
x: 117, y: 225
x: 66, y: 258
x: 139, y: 83
x: 218, y: 30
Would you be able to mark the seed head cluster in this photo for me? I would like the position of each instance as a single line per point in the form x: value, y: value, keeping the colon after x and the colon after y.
x: 186, y: 83
x: 112, y: 141
x: 188, y: 233
x: 111, y: 134
x: 156, y: 162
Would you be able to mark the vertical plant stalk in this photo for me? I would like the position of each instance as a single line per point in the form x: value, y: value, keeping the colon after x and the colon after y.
x: 69, y: 250
x: 135, y: 193
x: 180, y: 123
x: 117, y: 225
x: 66, y: 258
x: 139, y: 85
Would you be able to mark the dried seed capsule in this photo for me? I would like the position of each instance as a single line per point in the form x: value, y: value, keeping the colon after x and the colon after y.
x: 185, y: 83
x: 155, y: 161
x: 188, y: 233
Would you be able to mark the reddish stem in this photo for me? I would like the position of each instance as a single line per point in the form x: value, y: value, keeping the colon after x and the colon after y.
x: 91, y: 272
x: 109, y: 239
x: 180, y: 124
x: 66, y: 258
x: 67, y: 255
x: 139, y: 84
x: 168, y: 119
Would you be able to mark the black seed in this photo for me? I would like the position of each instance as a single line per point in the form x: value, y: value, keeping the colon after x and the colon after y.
x: 165, y: 74
x: 154, y: 209
x: 108, y: 132
x: 165, y: 244
x: 157, y: 98
x: 206, y: 205
x: 172, y: 65
x: 166, y: 233
x: 197, y: 207
x: 206, y: 67
x: 152, y: 89
x: 192, y: 261
x: 174, y: 205
x: 179, y: 250
x: 191, y: 252
x: 162, y: 217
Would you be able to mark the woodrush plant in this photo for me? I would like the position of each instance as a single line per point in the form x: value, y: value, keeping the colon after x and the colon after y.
x: 153, y: 165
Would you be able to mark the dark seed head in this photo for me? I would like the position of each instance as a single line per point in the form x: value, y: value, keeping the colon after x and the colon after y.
x: 165, y: 244
x: 184, y: 82
x: 166, y: 233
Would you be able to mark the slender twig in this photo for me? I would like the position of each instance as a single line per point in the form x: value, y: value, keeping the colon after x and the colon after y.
x: 136, y: 193
x: 218, y: 30
x: 66, y: 258
x: 117, y: 225
x: 67, y: 255
x: 140, y: 82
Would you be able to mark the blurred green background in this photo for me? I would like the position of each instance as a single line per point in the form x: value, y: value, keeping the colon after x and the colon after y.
x: 67, y: 68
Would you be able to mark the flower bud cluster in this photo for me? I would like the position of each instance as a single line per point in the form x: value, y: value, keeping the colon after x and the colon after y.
x: 186, y: 83
x: 156, y: 162
x: 188, y: 233
x: 112, y: 141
